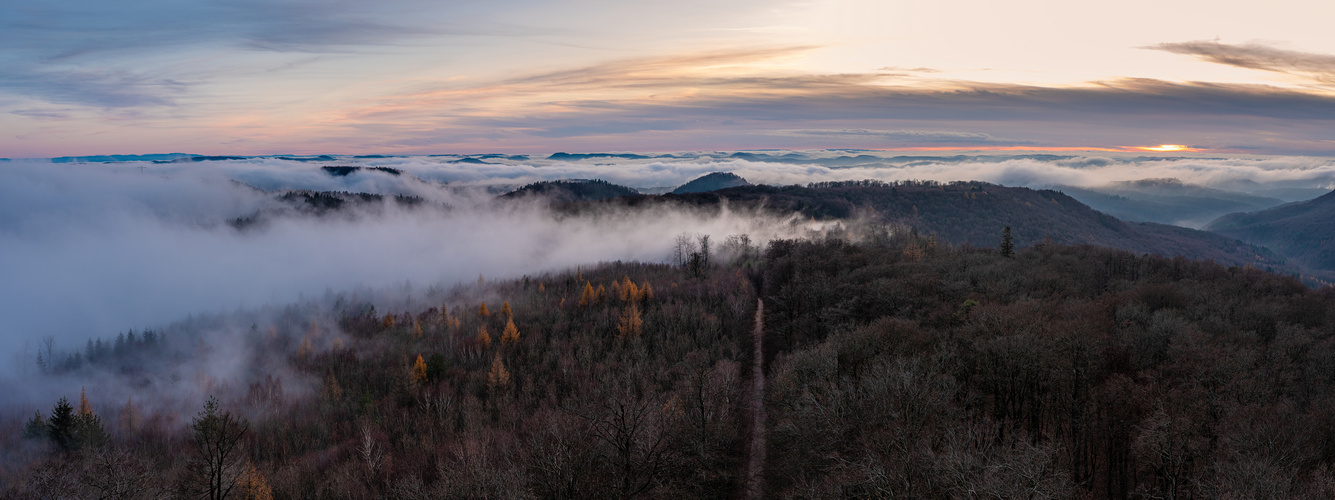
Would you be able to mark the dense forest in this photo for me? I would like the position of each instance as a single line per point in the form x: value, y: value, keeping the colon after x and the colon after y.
x: 880, y: 365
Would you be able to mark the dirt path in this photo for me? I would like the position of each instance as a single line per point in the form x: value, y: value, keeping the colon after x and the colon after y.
x: 755, y: 466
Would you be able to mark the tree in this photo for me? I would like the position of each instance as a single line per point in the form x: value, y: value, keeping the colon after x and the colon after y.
x: 511, y: 334
x: 419, y: 370
x: 253, y: 485
x: 60, y: 427
x: 84, y: 407
x: 483, y: 337
x: 630, y: 323
x: 219, y: 463
x: 482, y: 310
x: 587, y: 298
x: 506, y: 311
x: 498, y: 377
x: 1007, y: 247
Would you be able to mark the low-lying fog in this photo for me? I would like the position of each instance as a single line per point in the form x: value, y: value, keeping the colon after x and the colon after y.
x: 91, y: 249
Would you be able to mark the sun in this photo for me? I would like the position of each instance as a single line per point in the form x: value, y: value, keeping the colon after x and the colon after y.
x: 1168, y: 148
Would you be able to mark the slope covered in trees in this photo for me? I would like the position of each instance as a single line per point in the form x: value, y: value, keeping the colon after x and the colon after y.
x: 1167, y: 201
x: 897, y: 367
x: 974, y: 213
x: 572, y: 190
x: 1302, y: 231
x: 711, y: 182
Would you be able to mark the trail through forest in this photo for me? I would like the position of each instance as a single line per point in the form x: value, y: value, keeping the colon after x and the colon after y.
x: 755, y: 465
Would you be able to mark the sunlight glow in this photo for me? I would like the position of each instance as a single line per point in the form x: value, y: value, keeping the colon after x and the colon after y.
x: 1169, y: 148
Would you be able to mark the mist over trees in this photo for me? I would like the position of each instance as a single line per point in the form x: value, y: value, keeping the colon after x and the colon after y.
x: 892, y: 364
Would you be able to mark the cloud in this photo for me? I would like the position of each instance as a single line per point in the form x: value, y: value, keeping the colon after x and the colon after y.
x: 93, y: 249
x: 1320, y: 67
x: 97, y: 88
x: 910, y: 136
x: 748, y: 106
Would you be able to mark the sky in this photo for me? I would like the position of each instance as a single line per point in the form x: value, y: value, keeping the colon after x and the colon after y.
x: 256, y: 77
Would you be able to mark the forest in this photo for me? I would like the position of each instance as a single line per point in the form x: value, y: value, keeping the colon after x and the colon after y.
x: 877, y: 365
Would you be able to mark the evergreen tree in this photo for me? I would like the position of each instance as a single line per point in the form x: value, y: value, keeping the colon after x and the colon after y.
x: 218, y: 465
x: 1007, y: 247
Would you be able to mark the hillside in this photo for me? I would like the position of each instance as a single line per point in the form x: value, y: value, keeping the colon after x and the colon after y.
x: 974, y: 213
x: 711, y: 182
x: 811, y: 369
x: 572, y: 190
x: 1302, y: 231
x: 1167, y: 201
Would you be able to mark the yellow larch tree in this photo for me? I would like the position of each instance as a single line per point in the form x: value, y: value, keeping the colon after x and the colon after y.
x: 506, y: 311
x: 615, y: 289
x: 84, y: 407
x: 304, y: 350
x: 417, y: 329
x: 630, y: 324
x: 629, y: 291
x: 587, y: 298
x: 419, y: 370
x: 482, y: 310
x: 646, y: 292
x: 484, y: 338
x: 498, y: 376
x: 511, y: 334
x: 389, y: 321
x: 332, y: 389
x: 252, y: 484
x: 541, y: 287
x: 602, y: 293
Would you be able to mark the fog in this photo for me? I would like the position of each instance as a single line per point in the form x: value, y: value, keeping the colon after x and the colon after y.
x: 89, y: 250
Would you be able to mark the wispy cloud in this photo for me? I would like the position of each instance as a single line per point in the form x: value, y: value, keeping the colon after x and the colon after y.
x: 1320, y: 67
x: 912, y: 136
x: 749, y: 103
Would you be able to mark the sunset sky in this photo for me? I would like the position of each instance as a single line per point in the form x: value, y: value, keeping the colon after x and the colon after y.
x: 87, y: 77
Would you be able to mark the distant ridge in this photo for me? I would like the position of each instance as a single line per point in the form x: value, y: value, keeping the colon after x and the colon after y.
x: 585, y: 156
x: 573, y: 190
x: 974, y: 213
x: 116, y: 158
x: 1303, y: 231
x: 1167, y: 201
x: 343, y: 170
x: 712, y: 182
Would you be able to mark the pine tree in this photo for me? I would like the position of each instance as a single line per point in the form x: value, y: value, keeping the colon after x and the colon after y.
x: 511, y: 334
x: 1007, y: 247
x: 35, y: 428
x: 60, y: 427
x: 218, y: 465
